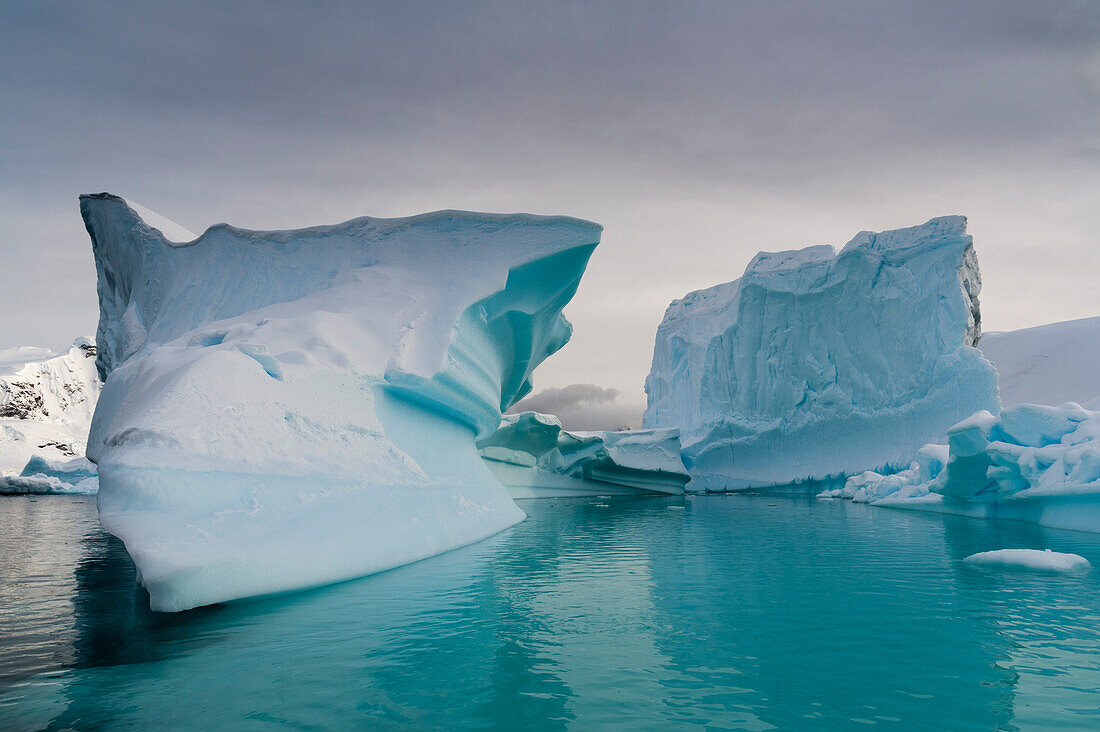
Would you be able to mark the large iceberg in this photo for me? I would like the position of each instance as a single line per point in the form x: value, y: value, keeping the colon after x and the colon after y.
x: 535, y: 458
x: 286, y: 409
x: 46, y: 405
x: 817, y: 365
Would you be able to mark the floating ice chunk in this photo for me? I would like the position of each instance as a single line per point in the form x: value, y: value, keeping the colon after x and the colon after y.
x: 1030, y: 559
x: 1051, y: 483
x: 815, y: 364
x: 535, y: 457
x: 286, y: 409
x: 40, y: 484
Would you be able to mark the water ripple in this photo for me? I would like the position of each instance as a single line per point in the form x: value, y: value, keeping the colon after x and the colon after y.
x: 736, y: 612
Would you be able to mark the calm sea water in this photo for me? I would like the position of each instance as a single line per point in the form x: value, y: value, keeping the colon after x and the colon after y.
x: 740, y: 612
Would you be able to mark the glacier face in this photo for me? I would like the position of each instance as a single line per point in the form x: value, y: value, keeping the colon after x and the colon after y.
x: 532, y: 455
x: 287, y: 409
x: 46, y: 405
x: 816, y: 365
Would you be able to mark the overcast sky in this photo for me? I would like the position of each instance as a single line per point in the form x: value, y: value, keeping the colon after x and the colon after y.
x: 696, y: 133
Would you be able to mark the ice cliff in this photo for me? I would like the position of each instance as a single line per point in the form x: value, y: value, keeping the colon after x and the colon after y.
x: 286, y: 409
x: 816, y: 365
x: 535, y: 457
x: 46, y: 405
x: 1031, y: 462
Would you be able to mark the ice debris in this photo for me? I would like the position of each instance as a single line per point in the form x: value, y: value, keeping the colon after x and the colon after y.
x: 1032, y: 462
x: 532, y: 455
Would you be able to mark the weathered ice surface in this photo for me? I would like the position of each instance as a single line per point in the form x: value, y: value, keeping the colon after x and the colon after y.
x: 46, y: 405
x: 534, y: 457
x: 817, y: 365
x: 286, y: 409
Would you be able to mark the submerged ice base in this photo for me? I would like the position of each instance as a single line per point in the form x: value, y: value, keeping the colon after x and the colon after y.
x: 817, y: 365
x: 287, y: 409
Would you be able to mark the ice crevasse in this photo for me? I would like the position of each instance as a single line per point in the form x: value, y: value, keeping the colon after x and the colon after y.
x: 817, y: 364
x: 286, y: 409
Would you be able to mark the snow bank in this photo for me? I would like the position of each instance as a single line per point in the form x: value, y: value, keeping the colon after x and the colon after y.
x: 1048, y: 364
x: 532, y: 455
x: 287, y: 409
x: 1030, y: 559
x: 816, y: 364
x: 46, y: 405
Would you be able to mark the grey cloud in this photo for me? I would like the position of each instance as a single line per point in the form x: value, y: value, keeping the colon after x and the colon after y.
x: 554, y: 399
x: 583, y: 407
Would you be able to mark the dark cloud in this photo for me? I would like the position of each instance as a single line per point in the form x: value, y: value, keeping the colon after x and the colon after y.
x: 697, y: 132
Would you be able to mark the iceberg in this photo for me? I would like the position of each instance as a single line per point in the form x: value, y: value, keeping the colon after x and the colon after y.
x: 287, y: 409
x: 46, y: 405
x: 817, y: 365
x: 42, y: 476
x: 535, y: 458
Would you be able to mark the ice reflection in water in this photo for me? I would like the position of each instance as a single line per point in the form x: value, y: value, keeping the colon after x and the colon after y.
x: 738, y: 612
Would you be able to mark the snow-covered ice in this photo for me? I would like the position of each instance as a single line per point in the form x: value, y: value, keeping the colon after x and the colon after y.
x: 1032, y: 462
x: 1030, y: 559
x: 1048, y: 364
x: 46, y: 405
x: 532, y: 455
x: 817, y: 365
x: 287, y: 409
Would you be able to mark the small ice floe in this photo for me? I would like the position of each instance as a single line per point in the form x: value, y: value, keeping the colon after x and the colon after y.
x: 675, y: 508
x: 600, y: 505
x: 1030, y: 559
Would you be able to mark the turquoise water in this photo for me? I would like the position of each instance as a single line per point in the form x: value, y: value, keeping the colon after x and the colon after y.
x: 740, y: 612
